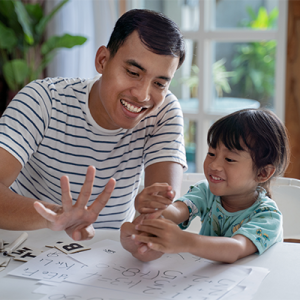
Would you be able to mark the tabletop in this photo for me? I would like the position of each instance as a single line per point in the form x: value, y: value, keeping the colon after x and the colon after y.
x: 282, y: 260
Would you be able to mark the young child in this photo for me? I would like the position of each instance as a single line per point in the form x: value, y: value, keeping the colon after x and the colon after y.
x: 246, y: 149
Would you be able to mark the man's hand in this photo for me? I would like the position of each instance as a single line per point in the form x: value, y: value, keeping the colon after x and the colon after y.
x: 77, y: 219
x: 155, y: 197
x: 137, y: 249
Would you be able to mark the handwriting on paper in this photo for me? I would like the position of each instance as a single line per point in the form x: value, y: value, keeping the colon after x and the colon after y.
x: 173, y: 276
x: 50, y: 265
x: 170, y: 277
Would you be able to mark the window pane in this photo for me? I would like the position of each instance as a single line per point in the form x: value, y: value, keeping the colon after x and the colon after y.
x: 190, y: 143
x: 185, y: 13
x: 245, y: 71
x: 251, y: 14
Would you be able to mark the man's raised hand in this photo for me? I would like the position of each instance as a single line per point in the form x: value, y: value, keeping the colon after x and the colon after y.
x: 77, y: 219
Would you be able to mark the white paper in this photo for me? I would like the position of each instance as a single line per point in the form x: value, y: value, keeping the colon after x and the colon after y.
x: 52, y: 265
x: 173, y: 276
x: 67, y: 290
x: 118, y: 275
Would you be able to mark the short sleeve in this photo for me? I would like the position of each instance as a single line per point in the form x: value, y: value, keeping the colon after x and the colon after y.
x: 166, y: 140
x: 25, y: 120
x: 264, y: 227
x: 198, y: 200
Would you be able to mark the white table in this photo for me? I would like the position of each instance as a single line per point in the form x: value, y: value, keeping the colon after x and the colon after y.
x: 283, y: 261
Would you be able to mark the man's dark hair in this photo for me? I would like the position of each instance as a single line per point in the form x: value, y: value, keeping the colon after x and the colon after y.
x: 159, y: 34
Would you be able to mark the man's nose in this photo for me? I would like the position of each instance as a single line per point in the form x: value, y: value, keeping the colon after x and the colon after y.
x: 141, y: 91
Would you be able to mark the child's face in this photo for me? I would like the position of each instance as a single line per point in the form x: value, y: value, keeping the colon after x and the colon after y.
x: 231, y: 174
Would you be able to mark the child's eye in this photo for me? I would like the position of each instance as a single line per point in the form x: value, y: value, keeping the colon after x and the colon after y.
x: 210, y: 154
x: 230, y: 160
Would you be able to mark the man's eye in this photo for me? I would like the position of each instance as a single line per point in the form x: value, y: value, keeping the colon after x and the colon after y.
x: 132, y: 73
x: 160, y: 85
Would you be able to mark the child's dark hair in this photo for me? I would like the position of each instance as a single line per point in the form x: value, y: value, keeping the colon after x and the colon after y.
x: 263, y: 134
x: 158, y: 33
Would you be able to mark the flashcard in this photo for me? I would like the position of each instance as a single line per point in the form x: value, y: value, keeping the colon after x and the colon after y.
x: 70, y: 248
x: 4, y: 244
x: 27, y: 255
x: 57, y: 243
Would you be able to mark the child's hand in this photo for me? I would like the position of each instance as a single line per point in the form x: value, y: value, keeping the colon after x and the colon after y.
x: 155, y: 197
x: 137, y: 249
x: 162, y: 235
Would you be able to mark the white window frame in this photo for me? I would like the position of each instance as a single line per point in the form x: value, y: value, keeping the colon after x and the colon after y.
x: 205, y: 36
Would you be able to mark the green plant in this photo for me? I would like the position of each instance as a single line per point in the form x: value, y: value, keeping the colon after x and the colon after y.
x: 23, y: 52
x: 254, y: 63
x: 220, y: 78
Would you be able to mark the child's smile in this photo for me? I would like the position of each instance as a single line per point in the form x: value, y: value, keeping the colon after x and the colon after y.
x: 231, y: 175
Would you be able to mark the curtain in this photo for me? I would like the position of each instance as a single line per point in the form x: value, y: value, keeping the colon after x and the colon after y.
x: 93, y: 19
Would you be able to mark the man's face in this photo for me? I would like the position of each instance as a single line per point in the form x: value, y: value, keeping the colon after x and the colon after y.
x: 134, y: 83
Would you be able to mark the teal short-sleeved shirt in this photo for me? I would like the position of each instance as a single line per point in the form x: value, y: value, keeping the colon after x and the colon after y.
x: 261, y: 223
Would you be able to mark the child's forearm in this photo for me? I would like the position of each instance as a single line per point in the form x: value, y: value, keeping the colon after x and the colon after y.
x: 223, y: 249
x: 177, y: 212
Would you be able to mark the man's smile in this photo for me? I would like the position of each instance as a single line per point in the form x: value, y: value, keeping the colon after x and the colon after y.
x: 131, y: 107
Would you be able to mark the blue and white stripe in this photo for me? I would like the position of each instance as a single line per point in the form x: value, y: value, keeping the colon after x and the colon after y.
x: 49, y: 129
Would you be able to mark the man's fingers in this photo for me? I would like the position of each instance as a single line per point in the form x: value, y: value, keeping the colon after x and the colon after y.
x: 87, y: 187
x: 83, y: 234
x: 66, y: 197
x: 103, y: 198
x: 46, y: 213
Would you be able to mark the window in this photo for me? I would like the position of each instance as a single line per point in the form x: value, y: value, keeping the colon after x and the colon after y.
x: 235, y: 59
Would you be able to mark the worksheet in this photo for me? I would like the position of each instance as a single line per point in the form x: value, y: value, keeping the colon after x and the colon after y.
x: 107, y: 266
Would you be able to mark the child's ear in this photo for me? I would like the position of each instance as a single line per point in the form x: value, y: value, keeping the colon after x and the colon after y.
x: 265, y: 173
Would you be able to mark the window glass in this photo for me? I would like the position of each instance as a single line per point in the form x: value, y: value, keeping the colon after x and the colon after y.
x: 185, y: 13
x: 245, y: 71
x: 251, y: 14
x: 190, y: 143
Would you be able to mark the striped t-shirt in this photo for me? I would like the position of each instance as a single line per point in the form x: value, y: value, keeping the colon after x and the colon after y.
x: 48, y: 127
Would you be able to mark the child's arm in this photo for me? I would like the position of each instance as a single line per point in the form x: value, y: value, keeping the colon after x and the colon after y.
x: 169, y: 238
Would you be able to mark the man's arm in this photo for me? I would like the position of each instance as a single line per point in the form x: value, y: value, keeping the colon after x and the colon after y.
x: 16, y: 212
x: 170, y: 174
x: 21, y: 213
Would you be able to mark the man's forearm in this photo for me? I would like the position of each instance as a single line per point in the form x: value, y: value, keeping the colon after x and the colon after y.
x: 17, y: 212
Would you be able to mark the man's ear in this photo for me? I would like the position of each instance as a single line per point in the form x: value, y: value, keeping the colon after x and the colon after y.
x: 265, y: 173
x: 102, y: 56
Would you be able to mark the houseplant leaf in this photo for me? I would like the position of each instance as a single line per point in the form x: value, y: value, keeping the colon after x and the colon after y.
x: 25, y: 21
x: 64, y: 41
x: 9, y: 17
x: 15, y: 73
x: 35, y: 12
x: 44, y: 21
x: 8, y: 38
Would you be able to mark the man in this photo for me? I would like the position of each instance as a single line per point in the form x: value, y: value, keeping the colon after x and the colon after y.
x: 115, y: 126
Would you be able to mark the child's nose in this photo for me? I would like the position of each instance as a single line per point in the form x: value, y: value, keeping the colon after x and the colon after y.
x: 216, y: 165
